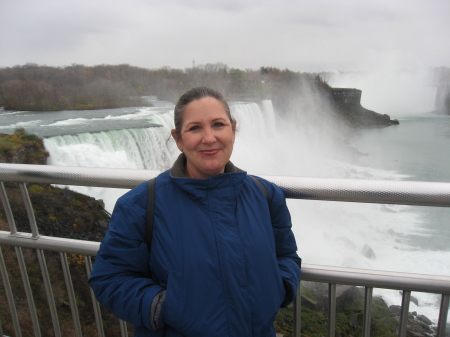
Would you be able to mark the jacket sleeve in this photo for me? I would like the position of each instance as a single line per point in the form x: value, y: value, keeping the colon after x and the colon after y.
x: 120, y: 277
x: 286, y: 248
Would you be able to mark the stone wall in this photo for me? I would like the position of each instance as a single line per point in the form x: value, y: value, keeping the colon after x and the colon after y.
x: 347, y: 96
x: 347, y: 103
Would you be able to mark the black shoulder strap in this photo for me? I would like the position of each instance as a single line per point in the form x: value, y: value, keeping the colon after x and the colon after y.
x: 150, y: 211
x: 261, y: 186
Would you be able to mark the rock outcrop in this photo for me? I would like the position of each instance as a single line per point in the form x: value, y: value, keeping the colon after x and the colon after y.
x: 347, y: 103
x: 22, y: 148
x: 349, y: 314
x: 59, y: 213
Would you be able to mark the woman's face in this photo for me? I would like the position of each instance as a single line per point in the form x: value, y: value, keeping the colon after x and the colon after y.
x: 207, y: 137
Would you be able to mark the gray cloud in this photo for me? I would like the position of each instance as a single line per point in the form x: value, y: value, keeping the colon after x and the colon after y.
x: 297, y: 34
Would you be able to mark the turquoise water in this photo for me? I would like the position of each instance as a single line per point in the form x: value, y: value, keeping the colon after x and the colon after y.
x: 420, y: 149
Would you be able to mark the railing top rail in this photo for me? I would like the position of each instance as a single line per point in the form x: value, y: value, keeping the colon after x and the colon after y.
x: 315, y: 273
x: 376, y: 278
x: 82, y: 176
x: 330, y: 189
x: 58, y: 244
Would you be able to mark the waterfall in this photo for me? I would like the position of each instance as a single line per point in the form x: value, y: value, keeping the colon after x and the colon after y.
x: 253, y: 121
x: 302, y: 142
x: 144, y: 148
x: 137, y: 148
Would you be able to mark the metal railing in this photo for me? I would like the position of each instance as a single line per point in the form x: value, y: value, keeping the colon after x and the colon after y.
x: 349, y: 190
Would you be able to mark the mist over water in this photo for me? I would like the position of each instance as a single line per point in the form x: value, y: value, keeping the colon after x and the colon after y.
x: 388, y: 90
x: 417, y: 238
x: 310, y: 142
x: 307, y: 141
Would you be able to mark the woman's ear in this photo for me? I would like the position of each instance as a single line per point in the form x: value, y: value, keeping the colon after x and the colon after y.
x: 177, y: 139
x: 233, y: 125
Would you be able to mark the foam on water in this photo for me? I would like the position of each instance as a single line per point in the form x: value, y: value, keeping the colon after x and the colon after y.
x: 73, y: 121
x: 327, y: 233
x: 25, y: 124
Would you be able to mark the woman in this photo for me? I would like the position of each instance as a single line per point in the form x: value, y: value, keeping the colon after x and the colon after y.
x: 223, y: 259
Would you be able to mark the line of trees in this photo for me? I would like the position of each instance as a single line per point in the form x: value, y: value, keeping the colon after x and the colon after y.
x: 34, y: 87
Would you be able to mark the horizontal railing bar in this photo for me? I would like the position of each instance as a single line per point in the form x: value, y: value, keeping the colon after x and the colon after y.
x: 417, y: 193
x: 325, y: 189
x: 314, y: 273
x: 82, y: 176
x: 71, y: 246
x: 329, y: 189
x: 376, y: 278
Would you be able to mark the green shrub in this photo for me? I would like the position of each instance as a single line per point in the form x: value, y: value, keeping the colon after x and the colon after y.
x: 36, y: 188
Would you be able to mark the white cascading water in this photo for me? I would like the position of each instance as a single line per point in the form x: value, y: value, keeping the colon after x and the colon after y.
x: 144, y: 148
x: 306, y: 144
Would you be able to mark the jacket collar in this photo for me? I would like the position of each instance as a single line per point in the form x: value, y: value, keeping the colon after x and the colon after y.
x: 178, y: 169
x: 226, y: 184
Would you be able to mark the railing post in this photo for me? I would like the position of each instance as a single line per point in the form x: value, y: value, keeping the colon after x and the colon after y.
x: 298, y: 313
x: 406, y: 298
x: 443, y: 312
x: 123, y: 328
x: 331, y: 309
x: 28, y: 291
x: 71, y: 293
x: 404, y: 193
x: 29, y: 209
x: 9, y: 297
x: 42, y: 262
x: 367, y: 311
x: 96, y: 305
x: 7, y: 209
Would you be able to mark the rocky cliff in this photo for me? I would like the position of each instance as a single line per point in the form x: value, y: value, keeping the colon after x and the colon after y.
x: 60, y: 213
x: 22, y: 148
x: 347, y: 103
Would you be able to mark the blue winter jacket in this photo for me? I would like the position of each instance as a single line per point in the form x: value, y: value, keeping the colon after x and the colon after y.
x: 226, y: 261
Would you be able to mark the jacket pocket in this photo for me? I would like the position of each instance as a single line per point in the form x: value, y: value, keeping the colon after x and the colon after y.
x: 281, y: 292
x: 275, y: 298
x: 176, y: 306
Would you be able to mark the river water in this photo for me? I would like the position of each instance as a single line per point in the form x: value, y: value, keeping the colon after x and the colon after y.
x: 403, y: 238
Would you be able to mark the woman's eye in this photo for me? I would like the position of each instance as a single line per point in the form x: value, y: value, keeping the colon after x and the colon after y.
x: 193, y: 128
x: 218, y: 124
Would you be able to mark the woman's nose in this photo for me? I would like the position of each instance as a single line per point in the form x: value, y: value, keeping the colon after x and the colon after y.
x: 208, y: 136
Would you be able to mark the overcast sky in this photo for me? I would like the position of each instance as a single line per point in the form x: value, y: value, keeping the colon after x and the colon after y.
x: 301, y: 35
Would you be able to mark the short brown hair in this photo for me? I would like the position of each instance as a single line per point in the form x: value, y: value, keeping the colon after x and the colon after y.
x: 192, y: 95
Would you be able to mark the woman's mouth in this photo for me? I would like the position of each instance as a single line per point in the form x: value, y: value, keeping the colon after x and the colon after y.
x: 209, y: 152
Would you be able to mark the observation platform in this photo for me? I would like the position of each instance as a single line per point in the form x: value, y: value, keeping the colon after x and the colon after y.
x: 339, y: 190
